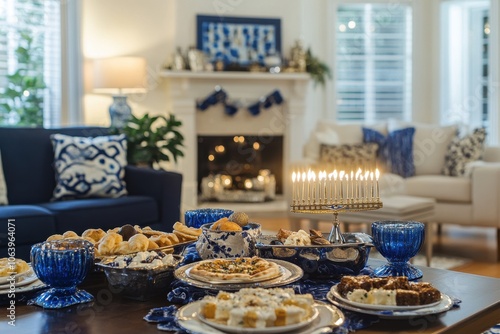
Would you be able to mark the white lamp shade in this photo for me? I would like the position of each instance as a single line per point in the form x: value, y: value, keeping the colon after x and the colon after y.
x: 122, y: 74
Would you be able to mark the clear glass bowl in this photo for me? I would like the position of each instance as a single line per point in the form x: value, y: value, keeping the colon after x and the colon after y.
x: 398, y: 242
x: 198, y: 217
x: 62, y: 265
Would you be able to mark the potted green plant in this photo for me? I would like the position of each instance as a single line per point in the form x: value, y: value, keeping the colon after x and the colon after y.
x: 318, y: 70
x: 152, y: 139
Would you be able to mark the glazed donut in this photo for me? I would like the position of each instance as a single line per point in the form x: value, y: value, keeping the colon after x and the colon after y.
x: 93, y: 233
x: 138, y: 243
x: 109, y: 242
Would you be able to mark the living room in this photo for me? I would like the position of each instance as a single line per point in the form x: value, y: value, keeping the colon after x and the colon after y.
x: 339, y: 73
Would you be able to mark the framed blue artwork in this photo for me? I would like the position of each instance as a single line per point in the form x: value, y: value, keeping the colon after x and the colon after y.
x: 238, y: 40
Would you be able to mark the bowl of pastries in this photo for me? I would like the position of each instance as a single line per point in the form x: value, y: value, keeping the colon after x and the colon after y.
x: 142, y: 275
x: 128, y: 239
x: 234, y: 236
x: 312, y: 251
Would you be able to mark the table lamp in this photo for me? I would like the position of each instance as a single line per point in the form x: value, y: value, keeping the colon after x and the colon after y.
x: 120, y: 76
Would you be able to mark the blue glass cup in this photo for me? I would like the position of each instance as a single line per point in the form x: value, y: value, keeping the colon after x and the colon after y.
x: 398, y: 242
x: 62, y: 265
x: 196, y: 218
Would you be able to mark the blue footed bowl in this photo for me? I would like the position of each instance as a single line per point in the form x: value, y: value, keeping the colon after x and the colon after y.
x: 213, y: 244
x: 62, y: 265
x: 198, y: 217
x: 398, y: 241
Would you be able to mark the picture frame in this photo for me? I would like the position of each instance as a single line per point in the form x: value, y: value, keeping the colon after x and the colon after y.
x: 238, y: 41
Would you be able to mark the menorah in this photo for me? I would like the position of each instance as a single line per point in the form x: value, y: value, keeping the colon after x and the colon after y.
x: 334, y: 192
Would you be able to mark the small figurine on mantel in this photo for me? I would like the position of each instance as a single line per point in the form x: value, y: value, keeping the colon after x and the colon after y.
x: 298, y: 57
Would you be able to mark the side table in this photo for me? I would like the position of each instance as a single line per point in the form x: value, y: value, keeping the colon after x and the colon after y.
x: 396, y: 207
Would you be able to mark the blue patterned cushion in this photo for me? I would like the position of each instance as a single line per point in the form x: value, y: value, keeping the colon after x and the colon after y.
x: 395, y: 149
x: 89, y: 167
x: 463, y: 151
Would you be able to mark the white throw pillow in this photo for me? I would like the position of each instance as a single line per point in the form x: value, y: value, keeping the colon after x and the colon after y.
x: 3, y: 185
x: 89, y: 167
x: 430, y: 145
x: 329, y: 132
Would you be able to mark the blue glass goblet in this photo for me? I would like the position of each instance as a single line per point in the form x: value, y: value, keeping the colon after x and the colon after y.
x: 398, y: 242
x: 196, y: 218
x: 62, y: 265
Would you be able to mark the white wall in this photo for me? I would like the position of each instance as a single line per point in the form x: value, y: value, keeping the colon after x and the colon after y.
x: 154, y: 28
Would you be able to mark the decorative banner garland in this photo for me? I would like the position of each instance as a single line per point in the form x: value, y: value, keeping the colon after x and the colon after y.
x: 219, y: 95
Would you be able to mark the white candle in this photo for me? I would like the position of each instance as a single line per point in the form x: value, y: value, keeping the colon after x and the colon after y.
x: 372, y: 195
x: 341, y: 184
x: 303, y: 187
x: 367, y: 174
x: 294, y: 177
x: 377, y: 190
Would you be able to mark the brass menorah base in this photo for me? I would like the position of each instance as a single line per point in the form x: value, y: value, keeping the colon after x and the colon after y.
x: 335, y: 236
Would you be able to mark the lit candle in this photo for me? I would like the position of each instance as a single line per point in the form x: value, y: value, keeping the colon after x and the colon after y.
x: 294, y: 177
x: 335, y: 174
x: 377, y: 190
x: 347, y: 188
x: 341, y: 180
x: 352, y: 185
x: 367, y: 174
x: 372, y: 195
x: 358, y: 191
x: 303, y: 187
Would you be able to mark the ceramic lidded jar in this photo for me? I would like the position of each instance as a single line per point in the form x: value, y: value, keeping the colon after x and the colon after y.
x: 213, y: 244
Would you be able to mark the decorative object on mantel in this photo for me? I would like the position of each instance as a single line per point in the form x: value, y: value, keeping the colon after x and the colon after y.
x: 152, y: 139
x: 219, y: 95
x: 238, y: 42
x: 120, y: 76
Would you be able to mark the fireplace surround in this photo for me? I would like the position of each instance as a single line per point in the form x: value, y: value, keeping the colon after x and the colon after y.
x: 185, y: 88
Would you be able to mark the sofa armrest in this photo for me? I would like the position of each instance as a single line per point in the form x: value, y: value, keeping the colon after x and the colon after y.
x: 492, y: 154
x: 486, y: 194
x: 163, y: 186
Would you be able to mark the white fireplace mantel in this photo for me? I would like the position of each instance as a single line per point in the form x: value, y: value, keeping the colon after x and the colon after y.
x: 184, y: 88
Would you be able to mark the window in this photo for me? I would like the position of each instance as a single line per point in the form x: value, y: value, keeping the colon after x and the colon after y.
x: 373, y: 62
x: 465, y: 67
x: 30, y: 62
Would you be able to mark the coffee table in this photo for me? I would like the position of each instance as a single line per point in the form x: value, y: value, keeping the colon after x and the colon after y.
x: 399, y: 207
x: 479, y: 310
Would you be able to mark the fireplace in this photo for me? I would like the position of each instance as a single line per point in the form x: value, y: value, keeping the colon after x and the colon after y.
x: 248, y: 168
x: 285, y: 121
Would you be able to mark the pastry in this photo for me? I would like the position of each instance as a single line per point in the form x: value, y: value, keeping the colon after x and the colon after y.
x: 93, y: 233
x: 127, y: 231
x: 239, y: 218
x: 55, y: 237
x: 109, y: 242
x: 70, y: 234
x: 18, y: 266
x: 225, y: 224
x: 138, y: 243
x: 187, y: 230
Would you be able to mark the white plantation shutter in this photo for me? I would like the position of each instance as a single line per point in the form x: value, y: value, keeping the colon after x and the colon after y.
x: 373, y: 62
x: 42, y: 18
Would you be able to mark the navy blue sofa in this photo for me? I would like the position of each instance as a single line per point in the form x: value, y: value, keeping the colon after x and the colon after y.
x: 153, y: 196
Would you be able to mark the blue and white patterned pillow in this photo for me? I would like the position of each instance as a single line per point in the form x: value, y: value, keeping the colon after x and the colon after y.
x: 463, y: 151
x: 395, y: 149
x: 89, y: 167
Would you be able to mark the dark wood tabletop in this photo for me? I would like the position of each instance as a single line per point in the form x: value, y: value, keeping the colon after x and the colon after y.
x: 110, y: 313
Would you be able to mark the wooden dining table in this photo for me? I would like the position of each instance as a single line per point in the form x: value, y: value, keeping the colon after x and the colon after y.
x: 111, y: 313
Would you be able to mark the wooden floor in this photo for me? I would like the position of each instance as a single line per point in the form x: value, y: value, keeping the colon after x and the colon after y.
x: 477, y: 244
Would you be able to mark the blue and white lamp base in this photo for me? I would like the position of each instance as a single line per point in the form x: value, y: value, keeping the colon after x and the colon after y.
x: 119, y: 112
